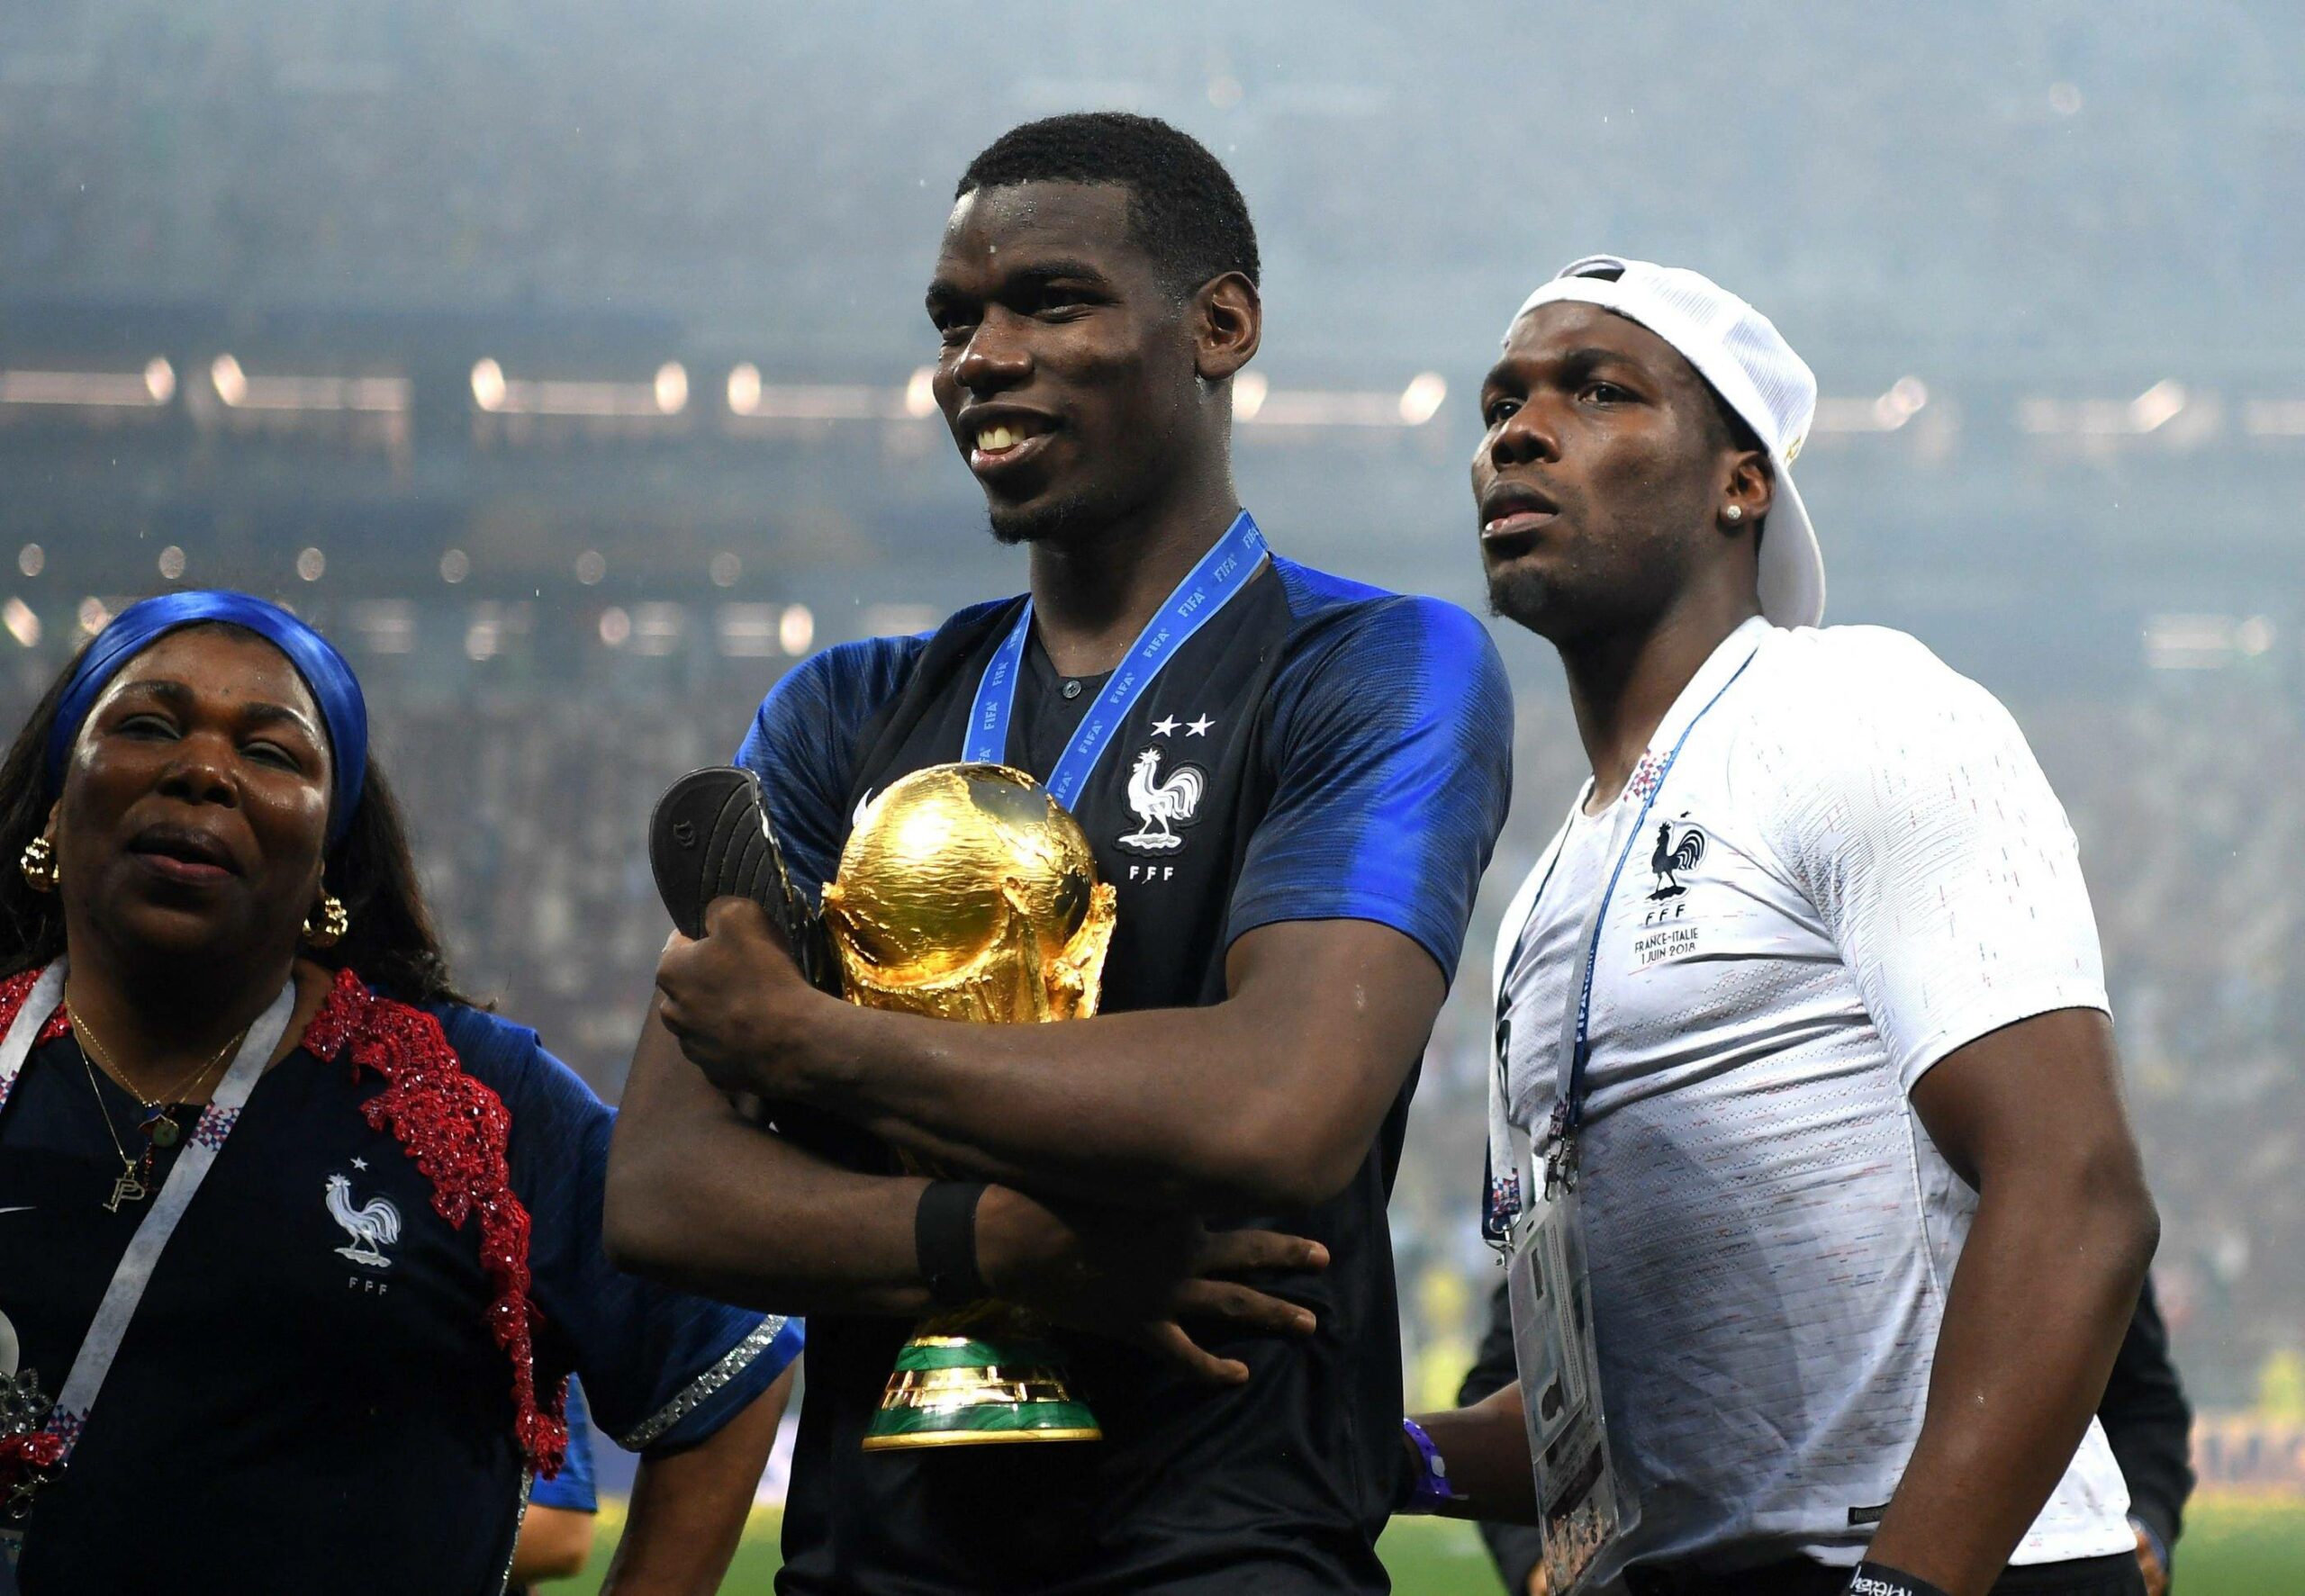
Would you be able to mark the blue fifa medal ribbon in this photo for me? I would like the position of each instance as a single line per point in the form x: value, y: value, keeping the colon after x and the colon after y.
x: 1569, y: 1113
x: 1210, y: 585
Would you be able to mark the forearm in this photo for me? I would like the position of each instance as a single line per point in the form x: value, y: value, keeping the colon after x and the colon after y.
x: 1156, y: 1108
x: 689, y: 1507
x: 701, y: 1199
x: 2035, y: 1315
x: 1266, y: 1101
x: 1487, y: 1447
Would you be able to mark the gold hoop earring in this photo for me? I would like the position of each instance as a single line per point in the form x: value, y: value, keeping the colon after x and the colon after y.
x: 39, y: 864
x: 334, y: 921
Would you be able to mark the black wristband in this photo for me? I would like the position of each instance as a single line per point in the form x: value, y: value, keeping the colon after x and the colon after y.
x: 1878, y: 1579
x: 944, y: 1238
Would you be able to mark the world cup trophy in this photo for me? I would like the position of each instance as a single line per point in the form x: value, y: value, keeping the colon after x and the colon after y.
x: 965, y: 892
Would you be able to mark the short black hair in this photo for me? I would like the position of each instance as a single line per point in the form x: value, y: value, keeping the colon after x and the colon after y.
x: 1185, y: 207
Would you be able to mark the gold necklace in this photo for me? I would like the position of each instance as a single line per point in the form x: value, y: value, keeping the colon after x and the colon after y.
x: 129, y: 1187
x: 159, y: 1125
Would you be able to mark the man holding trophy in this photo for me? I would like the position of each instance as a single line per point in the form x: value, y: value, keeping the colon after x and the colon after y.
x: 1217, y: 819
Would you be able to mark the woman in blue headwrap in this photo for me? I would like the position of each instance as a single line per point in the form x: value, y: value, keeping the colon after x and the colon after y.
x: 297, y: 1248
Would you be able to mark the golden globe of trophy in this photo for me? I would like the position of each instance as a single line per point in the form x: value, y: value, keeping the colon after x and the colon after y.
x: 966, y: 892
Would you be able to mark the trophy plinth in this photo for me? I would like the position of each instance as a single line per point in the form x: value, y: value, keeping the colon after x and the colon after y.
x: 966, y: 892
x: 957, y: 1391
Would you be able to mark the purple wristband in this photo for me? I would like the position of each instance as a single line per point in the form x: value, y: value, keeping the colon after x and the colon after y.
x: 1878, y: 1579
x: 1430, y: 1487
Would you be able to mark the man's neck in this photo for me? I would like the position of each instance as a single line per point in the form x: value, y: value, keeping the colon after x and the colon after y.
x: 1093, y: 593
x: 1622, y: 684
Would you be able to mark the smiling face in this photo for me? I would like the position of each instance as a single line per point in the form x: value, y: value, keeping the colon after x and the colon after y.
x: 194, y: 817
x: 1603, y: 475
x: 1068, y: 370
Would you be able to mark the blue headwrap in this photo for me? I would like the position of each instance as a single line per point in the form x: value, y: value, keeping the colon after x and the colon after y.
x: 136, y: 628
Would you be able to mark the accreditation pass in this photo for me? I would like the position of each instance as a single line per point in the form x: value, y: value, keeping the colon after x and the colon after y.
x: 1581, y: 1510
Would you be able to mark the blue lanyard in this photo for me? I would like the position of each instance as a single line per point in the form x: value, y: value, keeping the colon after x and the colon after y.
x: 1569, y: 1117
x: 1223, y: 572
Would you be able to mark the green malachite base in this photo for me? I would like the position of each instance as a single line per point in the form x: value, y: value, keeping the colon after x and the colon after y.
x: 958, y: 1391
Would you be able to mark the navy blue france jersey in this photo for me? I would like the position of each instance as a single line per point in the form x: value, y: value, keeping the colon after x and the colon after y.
x: 1319, y: 749
x: 310, y: 1396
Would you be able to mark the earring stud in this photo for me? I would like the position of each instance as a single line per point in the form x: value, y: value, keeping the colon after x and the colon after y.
x: 1735, y: 512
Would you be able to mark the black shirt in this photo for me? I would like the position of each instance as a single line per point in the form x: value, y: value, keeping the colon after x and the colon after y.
x: 1352, y: 750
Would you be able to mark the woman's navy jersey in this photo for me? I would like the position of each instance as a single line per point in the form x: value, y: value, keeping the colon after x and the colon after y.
x: 285, y: 1415
x: 1320, y: 750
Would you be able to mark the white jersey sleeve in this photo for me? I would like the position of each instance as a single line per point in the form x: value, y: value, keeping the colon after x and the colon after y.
x: 1914, y: 815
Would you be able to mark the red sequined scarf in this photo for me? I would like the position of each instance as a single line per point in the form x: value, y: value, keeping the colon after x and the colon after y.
x: 456, y: 1129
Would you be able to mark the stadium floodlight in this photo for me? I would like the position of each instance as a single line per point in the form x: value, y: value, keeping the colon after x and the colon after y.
x: 149, y: 389
x: 310, y: 565
x: 919, y: 402
x: 23, y: 625
x: 231, y: 383
x: 1412, y: 406
x: 171, y: 563
x: 796, y: 629
x: 488, y: 385
x: 1249, y: 390
x: 1421, y: 400
x: 32, y: 559
x: 671, y: 388
x: 1903, y: 400
x: 744, y: 389
x: 95, y: 615
x: 454, y: 566
x: 2157, y: 406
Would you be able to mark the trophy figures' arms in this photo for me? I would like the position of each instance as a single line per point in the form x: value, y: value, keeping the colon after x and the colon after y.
x: 699, y: 1197
x: 1266, y: 1102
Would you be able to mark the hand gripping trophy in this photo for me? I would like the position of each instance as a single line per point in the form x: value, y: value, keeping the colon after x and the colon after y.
x: 965, y: 892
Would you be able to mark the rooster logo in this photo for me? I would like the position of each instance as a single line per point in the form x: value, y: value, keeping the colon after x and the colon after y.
x: 376, y: 1224
x: 1161, y: 805
x: 1673, y: 859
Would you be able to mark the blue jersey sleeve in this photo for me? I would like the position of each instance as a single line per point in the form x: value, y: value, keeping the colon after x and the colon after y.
x: 1392, y: 738
x: 803, y: 739
x: 663, y: 1369
x: 572, y: 1490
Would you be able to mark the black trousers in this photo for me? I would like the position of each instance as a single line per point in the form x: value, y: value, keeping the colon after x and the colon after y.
x: 2117, y: 1575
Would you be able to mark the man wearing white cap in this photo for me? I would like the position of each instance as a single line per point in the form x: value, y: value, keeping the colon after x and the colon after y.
x: 1801, y: 1025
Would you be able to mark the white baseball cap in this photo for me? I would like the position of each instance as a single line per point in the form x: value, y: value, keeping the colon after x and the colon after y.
x: 1740, y: 352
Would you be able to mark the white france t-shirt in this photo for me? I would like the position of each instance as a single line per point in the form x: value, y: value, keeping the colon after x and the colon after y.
x: 1854, y: 867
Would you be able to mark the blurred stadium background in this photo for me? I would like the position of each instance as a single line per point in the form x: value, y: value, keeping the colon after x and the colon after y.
x: 567, y: 369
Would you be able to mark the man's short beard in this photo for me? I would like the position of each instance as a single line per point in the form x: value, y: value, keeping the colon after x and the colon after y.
x: 1521, y: 597
x: 1058, y: 522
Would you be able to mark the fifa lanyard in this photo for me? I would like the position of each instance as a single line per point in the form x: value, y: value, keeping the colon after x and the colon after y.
x: 1568, y: 1110
x: 134, y: 1271
x: 1210, y: 585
